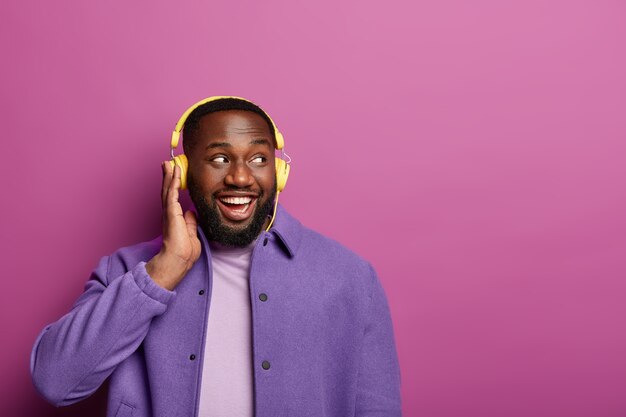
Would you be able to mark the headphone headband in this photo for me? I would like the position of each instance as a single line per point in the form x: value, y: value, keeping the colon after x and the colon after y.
x: 280, y: 141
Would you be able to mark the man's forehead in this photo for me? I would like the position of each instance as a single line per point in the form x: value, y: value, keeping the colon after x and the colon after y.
x: 234, y: 122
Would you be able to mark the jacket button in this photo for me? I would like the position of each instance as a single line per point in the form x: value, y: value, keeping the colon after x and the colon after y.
x: 192, y: 357
x: 201, y: 292
x: 265, y: 365
x: 263, y: 297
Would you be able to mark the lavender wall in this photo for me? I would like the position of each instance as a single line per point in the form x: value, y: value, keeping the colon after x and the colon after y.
x: 473, y: 151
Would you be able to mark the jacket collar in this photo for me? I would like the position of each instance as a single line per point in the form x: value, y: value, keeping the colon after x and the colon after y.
x: 287, y: 228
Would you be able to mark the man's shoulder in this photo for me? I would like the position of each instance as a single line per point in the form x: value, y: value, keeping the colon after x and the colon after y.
x: 319, y: 242
x: 324, y: 249
x: 322, y: 261
x: 317, y: 247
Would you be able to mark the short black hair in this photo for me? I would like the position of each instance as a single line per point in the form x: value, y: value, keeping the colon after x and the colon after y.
x: 193, y: 120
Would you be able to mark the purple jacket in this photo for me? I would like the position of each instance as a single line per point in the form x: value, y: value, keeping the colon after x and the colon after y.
x: 324, y: 332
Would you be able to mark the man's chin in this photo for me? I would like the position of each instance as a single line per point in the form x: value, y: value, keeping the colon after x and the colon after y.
x: 219, y: 228
x: 235, y: 226
x: 228, y: 231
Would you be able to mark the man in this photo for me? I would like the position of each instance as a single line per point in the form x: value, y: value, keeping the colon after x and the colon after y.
x: 238, y: 313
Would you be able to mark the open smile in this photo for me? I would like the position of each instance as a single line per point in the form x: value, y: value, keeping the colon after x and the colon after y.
x: 237, y: 208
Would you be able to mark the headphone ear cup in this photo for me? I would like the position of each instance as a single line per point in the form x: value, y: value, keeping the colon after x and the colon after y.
x: 183, y: 163
x: 282, y: 173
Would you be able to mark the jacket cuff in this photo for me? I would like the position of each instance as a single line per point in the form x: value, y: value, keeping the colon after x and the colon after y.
x: 149, y: 287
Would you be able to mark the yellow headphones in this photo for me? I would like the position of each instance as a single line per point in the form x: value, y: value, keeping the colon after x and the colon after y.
x: 282, y: 166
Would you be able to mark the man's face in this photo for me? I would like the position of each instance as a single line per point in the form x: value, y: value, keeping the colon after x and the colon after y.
x: 232, y: 176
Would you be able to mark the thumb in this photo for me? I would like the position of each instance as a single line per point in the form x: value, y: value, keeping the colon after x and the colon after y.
x: 191, y: 222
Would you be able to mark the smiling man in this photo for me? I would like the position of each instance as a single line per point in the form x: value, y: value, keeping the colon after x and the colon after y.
x: 233, y: 206
x: 237, y: 311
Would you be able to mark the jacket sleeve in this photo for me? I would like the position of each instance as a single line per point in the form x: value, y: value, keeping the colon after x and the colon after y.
x: 378, y: 383
x: 72, y: 357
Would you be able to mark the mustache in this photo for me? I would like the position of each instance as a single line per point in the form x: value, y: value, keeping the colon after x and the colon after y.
x: 257, y: 193
x: 247, y: 189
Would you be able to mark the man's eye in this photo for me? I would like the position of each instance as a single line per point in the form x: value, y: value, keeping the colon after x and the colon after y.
x: 259, y: 160
x: 219, y: 159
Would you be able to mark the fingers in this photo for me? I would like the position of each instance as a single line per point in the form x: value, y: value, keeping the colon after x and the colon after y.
x: 168, y: 174
x: 192, y: 223
x: 170, y: 177
x: 192, y: 231
x: 171, y: 197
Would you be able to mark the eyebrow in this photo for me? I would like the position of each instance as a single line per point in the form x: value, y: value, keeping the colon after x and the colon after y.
x: 228, y: 145
x: 260, y: 142
x: 218, y: 145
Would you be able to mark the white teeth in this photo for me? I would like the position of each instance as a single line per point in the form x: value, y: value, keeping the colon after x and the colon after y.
x: 236, y: 200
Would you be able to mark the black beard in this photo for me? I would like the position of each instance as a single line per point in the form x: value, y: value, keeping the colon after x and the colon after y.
x: 214, y: 230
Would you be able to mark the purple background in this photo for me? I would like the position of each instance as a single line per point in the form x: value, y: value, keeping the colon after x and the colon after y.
x: 473, y: 151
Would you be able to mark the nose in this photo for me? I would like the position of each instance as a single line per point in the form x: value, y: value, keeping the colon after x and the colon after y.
x: 239, y: 176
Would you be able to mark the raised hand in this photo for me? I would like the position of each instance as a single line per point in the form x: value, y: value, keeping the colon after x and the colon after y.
x: 181, y: 246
